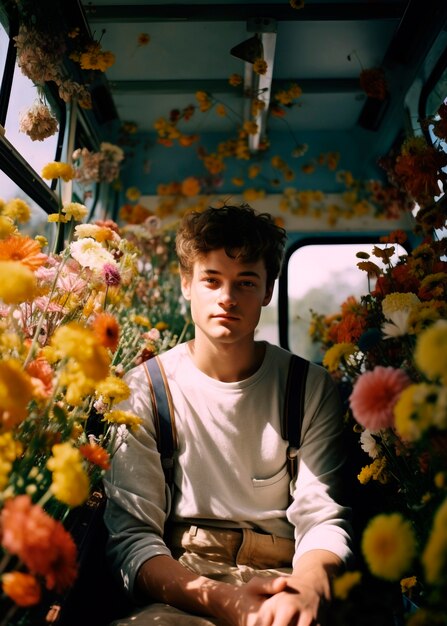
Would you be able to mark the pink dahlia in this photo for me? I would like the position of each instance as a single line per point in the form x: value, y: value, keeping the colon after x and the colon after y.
x: 374, y: 395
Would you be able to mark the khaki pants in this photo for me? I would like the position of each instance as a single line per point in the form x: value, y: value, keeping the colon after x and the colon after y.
x: 232, y: 556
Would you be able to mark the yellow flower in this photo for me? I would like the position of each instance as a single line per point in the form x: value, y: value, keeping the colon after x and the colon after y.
x: 58, y: 170
x: 75, y: 210
x: 77, y: 384
x: 123, y: 417
x: 338, y: 353
x: 10, y: 449
x: 389, y: 546
x: 16, y: 391
x: 79, y: 343
x: 430, y: 353
x: 133, y: 194
x: 18, y: 210
x: 18, y: 283
x: 113, y: 390
x: 434, y: 556
x: 7, y: 227
x: 399, y: 302
x: 161, y: 326
x: 98, y: 233
x: 70, y: 482
x: 54, y: 218
x: 375, y: 471
x: 343, y: 584
x: 416, y: 411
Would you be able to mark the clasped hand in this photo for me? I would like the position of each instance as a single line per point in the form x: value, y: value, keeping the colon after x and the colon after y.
x: 282, y: 601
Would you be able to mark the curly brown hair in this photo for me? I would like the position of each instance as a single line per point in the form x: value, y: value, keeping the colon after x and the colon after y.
x: 243, y: 234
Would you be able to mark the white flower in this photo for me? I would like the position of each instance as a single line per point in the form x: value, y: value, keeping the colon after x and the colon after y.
x: 397, y: 324
x: 369, y: 444
x: 90, y: 253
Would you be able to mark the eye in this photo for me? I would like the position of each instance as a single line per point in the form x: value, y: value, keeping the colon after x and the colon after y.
x: 247, y: 283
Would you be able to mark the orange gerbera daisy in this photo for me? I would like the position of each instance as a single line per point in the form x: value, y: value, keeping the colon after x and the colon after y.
x: 107, y: 330
x: 96, y: 455
x: 23, y: 249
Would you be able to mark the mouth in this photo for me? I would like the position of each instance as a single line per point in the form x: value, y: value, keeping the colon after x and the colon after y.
x: 225, y: 317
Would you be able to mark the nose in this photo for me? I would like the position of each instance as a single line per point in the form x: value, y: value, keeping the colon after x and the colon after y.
x: 227, y: 298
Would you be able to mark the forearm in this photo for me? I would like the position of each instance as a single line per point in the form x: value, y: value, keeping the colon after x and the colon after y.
x: 316, y: 568
x: 163, y: 579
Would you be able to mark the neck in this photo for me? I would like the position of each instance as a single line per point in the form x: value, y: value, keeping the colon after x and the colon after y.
x: 226, y: 362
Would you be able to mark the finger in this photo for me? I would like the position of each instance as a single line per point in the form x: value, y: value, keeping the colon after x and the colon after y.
x: 268, y: 586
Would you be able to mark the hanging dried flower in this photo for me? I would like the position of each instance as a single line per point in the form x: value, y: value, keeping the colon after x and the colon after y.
x: 373, y: 83
x: 260, y: 67
x: 38, y: 122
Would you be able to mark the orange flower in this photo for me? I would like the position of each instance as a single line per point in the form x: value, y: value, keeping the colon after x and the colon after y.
x: 22, y: 588
x: 40, y: 541
x: 96, y: 455
x: 106, y: 328
x: 22, y: 249
x: 190, y: 186
x: 41, y: 374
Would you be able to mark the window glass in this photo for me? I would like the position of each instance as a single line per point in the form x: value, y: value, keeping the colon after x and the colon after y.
x: 23, y: 95
x: 4, y: 43
x: 321, y: 278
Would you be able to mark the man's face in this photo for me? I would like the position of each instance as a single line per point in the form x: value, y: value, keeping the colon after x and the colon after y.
x: 226, y: 296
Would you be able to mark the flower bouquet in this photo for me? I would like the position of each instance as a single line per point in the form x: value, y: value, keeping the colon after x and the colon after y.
x: 388, y: 352
x: 71, y: 324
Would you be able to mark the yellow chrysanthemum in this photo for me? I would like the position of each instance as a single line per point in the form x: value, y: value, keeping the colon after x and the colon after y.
x: 338, y: 353
x: 7, y: 227
x: 58, y: 170
x: 343, y: 584
x: 389, y: 546
x: 416, y: 411
x: 18, y: 210
x: 434, y: 556
x: 76, y: 384
x: 113, y: 390
x: 79, y: 343
x: 18, y: 283
x: 123, y: 417
x: 430, y: 353
x: 399, y: 302
x: 70, y: 482
x: 75, y: 211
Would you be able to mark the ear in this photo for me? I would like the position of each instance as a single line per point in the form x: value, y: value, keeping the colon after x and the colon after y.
x: 268, y: 294
x: 185, y: 283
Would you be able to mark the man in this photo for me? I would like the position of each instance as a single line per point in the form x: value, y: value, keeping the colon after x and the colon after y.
x: 237, y: 552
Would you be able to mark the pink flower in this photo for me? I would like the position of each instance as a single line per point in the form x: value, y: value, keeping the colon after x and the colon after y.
x: 374, y: 395
x: 111, y: 275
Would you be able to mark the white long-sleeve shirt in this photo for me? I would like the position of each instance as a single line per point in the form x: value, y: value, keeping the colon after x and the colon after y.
x: 230, y: 466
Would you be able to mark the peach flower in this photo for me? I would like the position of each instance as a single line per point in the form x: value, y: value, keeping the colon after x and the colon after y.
x: 374, y: 395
